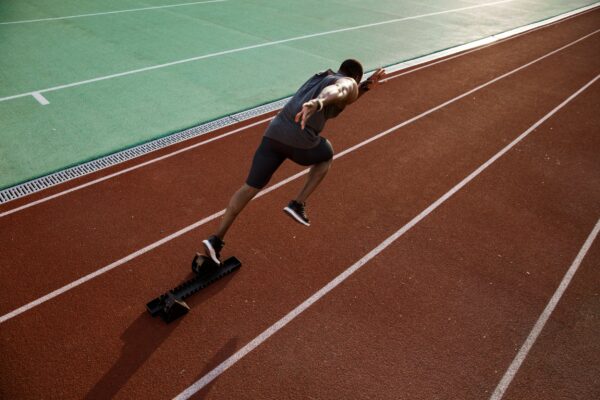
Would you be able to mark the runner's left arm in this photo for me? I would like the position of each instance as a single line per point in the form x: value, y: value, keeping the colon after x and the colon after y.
x: 372, y: 82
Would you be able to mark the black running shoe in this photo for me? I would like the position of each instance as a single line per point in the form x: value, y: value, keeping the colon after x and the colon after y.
x: 213, y: 246
x: 296, y: 211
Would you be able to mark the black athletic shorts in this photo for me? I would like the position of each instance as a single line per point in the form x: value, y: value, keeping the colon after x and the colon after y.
x: 271, y: 153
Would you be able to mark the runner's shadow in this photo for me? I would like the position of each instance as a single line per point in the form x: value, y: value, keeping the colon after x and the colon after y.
x: 228, y: 349
x: 144, y: 336
x: 139, y: 342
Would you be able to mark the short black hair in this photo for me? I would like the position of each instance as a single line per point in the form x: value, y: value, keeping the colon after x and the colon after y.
x: 353, y: 69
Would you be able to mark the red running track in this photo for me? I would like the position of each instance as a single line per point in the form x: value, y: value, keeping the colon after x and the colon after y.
x: 440, y: 313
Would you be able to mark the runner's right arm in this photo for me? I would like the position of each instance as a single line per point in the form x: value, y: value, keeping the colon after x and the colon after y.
x: 344, y: 91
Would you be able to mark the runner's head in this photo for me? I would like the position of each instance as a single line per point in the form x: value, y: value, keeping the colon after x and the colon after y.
x: 352, y: 69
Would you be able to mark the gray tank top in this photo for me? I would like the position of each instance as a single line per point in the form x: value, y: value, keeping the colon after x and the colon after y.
x: 284, y: 129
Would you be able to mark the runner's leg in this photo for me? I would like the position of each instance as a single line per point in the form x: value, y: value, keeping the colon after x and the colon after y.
x: 315, y: 175
x: 320, y: 159
x: 265, y: 162
x: 236, y: 205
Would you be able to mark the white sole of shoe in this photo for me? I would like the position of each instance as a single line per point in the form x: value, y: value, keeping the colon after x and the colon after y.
x: 292, y: 214
x: 211, y: 251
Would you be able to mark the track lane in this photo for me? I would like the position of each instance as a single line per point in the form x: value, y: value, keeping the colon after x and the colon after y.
x: 441, y: 312
x: 139, y: 202
x: 112, y: 312
x: 563, y: 362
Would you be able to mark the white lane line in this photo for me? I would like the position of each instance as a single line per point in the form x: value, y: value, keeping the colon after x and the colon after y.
x: 27, y: 21
x: 541, y: 322
x: 246, y: 48
x: 41, y: 99
x: 121, y: 172
x: 122, y: 261
x: 206, y: 379
x: 464, y: 94
x: 43, y: 200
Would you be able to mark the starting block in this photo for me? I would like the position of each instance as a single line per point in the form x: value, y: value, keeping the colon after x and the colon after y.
x: 171, y: 306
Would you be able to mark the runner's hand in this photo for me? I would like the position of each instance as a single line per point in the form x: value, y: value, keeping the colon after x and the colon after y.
x: 373, y: 80
x: 308, y: 109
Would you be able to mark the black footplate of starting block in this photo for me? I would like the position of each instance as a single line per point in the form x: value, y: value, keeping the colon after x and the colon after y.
x: 171, y: 306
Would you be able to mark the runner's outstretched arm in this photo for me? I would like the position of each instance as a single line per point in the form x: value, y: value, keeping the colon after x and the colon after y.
x: 373, y: 81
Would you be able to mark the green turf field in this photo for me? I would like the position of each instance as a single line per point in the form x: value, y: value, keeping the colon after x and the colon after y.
x: 129, y: 73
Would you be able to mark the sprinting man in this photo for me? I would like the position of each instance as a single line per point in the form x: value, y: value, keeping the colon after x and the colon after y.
x: 294, y: 134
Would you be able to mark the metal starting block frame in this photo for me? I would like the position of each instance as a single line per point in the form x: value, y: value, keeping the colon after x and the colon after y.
x: 171, y: 306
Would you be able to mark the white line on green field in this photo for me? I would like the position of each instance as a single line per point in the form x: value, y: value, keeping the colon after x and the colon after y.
x: 28, y: 21
x: 41, y: 99
x: 246, y: 48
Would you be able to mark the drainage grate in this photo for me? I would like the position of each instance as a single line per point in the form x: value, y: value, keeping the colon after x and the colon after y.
x: 56, y: 178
